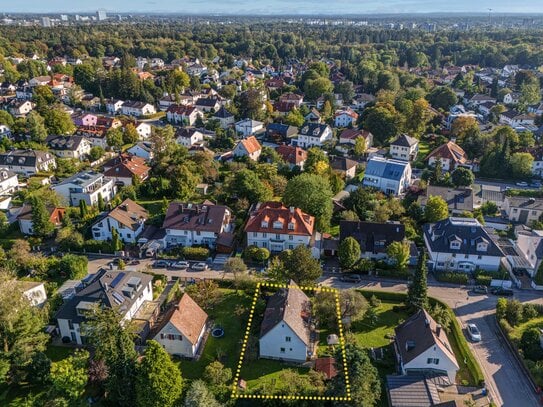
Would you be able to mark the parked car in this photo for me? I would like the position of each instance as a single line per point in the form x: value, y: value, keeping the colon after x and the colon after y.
x: 199, y: 267
x: 134, y: 262
x: 474, y: 333
x: 161, y: 264
x: 501, y: 291
x: 351, y: 278
x: 535, y: 184
x: 480, y: 289
x: 180, y: 265
x: 521, y: 184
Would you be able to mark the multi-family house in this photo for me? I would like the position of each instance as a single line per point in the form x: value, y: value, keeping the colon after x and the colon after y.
x: 188, y: 224
x: 345, y: 117
x: 126, y: 168
x: 77, y: 147
x: 277, y: 228
x: 27, y: 162
x: 8, y: 182
x: 114, y: 106
x: 189, y: 136
x: 390, y: 176
x: 462, y: 244
x: 247, y: 127
x: 128, y: 219
x: 124, y: 291
x: 184, y: 114
x: 87, y: 186
x: 314, y: 135
x: 137, y: 108
x: 522, y: 209
x: 404, y: 148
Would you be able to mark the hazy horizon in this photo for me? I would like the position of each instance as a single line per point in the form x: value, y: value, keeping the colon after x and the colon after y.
x: 278, y: 7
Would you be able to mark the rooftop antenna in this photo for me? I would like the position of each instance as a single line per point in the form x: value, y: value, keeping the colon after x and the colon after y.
x: 489, y: 16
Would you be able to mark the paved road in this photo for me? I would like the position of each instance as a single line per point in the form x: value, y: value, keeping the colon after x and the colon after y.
x: 507, y: 386
x: 502, y: 184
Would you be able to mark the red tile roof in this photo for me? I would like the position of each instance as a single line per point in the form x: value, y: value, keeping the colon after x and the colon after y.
x: 301, y: 223
x: 188, y: 318
x: 326, y: 366
x: 291, y: 154
x: 251, y: 144
x: 451, y: 151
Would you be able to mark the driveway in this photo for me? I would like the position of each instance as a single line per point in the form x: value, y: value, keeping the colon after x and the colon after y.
x: 507, y: 385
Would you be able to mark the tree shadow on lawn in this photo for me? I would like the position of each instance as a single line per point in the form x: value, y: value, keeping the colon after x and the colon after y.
x: 374, y: 335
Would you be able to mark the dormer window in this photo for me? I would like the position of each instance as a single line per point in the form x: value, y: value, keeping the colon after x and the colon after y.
x: 482, y: 247
x: 278, y: 225
x: 455, y: 244
x: 264, y: 224
x: 291, y: 226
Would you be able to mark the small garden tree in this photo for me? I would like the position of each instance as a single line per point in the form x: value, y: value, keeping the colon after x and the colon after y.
x: 349, y: 252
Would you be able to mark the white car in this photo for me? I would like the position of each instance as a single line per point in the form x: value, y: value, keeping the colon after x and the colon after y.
x: 474, y: 333
x: 521, y: 184
x: 180, y: 265
x: 199, y: 267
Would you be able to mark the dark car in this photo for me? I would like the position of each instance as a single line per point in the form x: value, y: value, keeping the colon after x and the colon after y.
x: 480, y: 289
x: 161, y: 264
x: 351, y: 278
x: 501, y: 291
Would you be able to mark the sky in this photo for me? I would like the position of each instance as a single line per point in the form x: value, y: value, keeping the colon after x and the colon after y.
x: 343, y: 7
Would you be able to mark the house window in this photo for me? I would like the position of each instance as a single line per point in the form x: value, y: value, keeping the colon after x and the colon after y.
x: 479, y: 257
x: 70, y: 324
x: 278, y: 237
x: 198, y: 233
x: 288, y: 339
x: 282, y: 350
x: 432, y: 361
x: 73, y: 337
x: 291, y: 237
x: 255, y: 234
x: 264, y: 235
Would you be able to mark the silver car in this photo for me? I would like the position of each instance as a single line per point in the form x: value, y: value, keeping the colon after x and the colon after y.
x: 474, y: 333
x: 180, y: 265
x: 199, y: 267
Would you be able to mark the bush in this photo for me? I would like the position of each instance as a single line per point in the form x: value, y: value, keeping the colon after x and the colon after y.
x: 530, y: 345
x: 452, y: 277
x: 96, y: 246
x: 483, y: 280
x: 394, y: 273
x: 196, y: 253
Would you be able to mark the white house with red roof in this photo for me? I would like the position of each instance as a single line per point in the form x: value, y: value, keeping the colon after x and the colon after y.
x: 451, y: 156
x: 345, y: 117
x: 183, y: 114
x: 276, y: 227
x: 249, y: 147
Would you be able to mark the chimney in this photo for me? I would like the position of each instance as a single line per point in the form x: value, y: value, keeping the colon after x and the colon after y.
x: 426, y: 323
x: 438, y: 330
x: 291, y: 209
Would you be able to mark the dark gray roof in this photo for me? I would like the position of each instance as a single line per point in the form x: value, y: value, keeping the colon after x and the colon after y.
x: 367, y: 234
x: 460, y: 199
x: 70, y: 143
x: 313, y: 129
x: 24, y: 158
x: 342, y: 163
x: 403, y: 140
x: 113, y: 289
x: 466, y: 230
x: 523, y: 202
x: 196, y: 217
x: 412, y: 391
x: 222, y: 113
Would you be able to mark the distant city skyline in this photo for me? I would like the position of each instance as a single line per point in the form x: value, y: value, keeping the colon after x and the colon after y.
x: 270, y: 7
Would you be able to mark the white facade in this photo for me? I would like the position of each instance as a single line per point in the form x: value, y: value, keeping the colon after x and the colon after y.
x: 175, y: 343
x: 142, y: 150
x: 528, y: 244
x: 344, y: 119
x: 175, y: 237
x: 102, y: 230
x: 130, y: 110
x: 247, y: 127
x: 281, y: 342
x: 308, y: 141
x: 36, y: 295
x: 86, y: 187
x: 195, y: 137
x: 8, y: 182
x: 393, y: 182
x: 403, y: 153
x: 144, y: 130
x: 434, y: 358
x: 276, y: 242
x: 114, y: 106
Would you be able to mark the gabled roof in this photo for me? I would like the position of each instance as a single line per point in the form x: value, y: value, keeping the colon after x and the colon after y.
x: 403, y: 140
x: 451, y: 151
x: 369, y: 234
x: 291, y: 154
x: 291, y: 306
x: 457, y: 198
x: 525, y: 202
x: 251, y: 144
x: 313, y: 129
x: 222, y: 113
x: 187, y: 317
x: 419, y: 333
x: 126, y: 165
x: 353, y: 134
x: 71, y: 143
x: 271, y: 212
x: 342, y: 163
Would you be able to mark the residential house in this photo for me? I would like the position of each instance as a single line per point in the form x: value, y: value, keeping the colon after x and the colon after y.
x: 96, y: 135
x: 5, y: 131
x: 314, y: 135
x: 313, y: 116
x: 209, y: 104
x: 27, y: 162
x: 478, y: 99
x: 345, y: 117
x: 142, y: 149
x: 422, y: 346
x: 247, y: 127
x: 128, y: 219
x: 136, y: 108
x: 144, y: 130
x: 522, y: 209
x: 530, y: 245
x: 24, y: 218
x: 486, y: 108
x: 84, y: 119
x: 188, y: 224
x: 277, y: 228
x: 515, y: 119
x: 124, y: 291
x: 349, y: 136
x: 249, y: 147
x: 293, y: 156
x: 39, y: 81
x: 183, y: 328
x: 280, y: 133
x: 459, y: 200
x: 404, y: 148
x: 225, y: 118
x: 345, y: 166
x: 77, y: 147
x: 87, y: 186
x: 8, y: 182
x: 374, y: 238
x: 450, y: 155
x: 285, y: 333
x: 183, y: 114
x: 114, y: 106
x: 461, y: 244
x: 512, y: 98
x: 189, y: 136
x: 126, y: 168
x: 419, y: 390
x: 360, y: 101
x: 20, y: 108
x: 34, y: 291
x: 390, y: 176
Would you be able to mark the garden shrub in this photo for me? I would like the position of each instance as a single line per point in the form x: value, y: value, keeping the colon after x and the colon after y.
x: 196, y: 253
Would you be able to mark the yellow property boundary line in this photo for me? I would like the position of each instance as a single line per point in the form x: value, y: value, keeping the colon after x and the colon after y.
x: 235, y: 393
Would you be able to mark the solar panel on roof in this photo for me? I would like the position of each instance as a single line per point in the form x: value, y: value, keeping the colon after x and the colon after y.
x: 118, y: 298
x: 116, y: 280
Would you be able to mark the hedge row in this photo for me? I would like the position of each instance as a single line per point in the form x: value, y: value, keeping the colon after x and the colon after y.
x: 451, y: 277
x: 195, y: 253
x: 384, y: 295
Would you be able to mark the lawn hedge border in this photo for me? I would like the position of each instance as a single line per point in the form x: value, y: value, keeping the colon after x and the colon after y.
x: 455, y: 333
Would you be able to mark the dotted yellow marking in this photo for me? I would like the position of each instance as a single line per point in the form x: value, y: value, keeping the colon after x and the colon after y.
x: 237, y: 395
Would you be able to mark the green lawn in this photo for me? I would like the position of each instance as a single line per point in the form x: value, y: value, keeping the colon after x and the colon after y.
x: 264, y: 372
x: 57, y: 353
x: 227, y: 348
x: 517, y: 331
x: 374, y: 336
